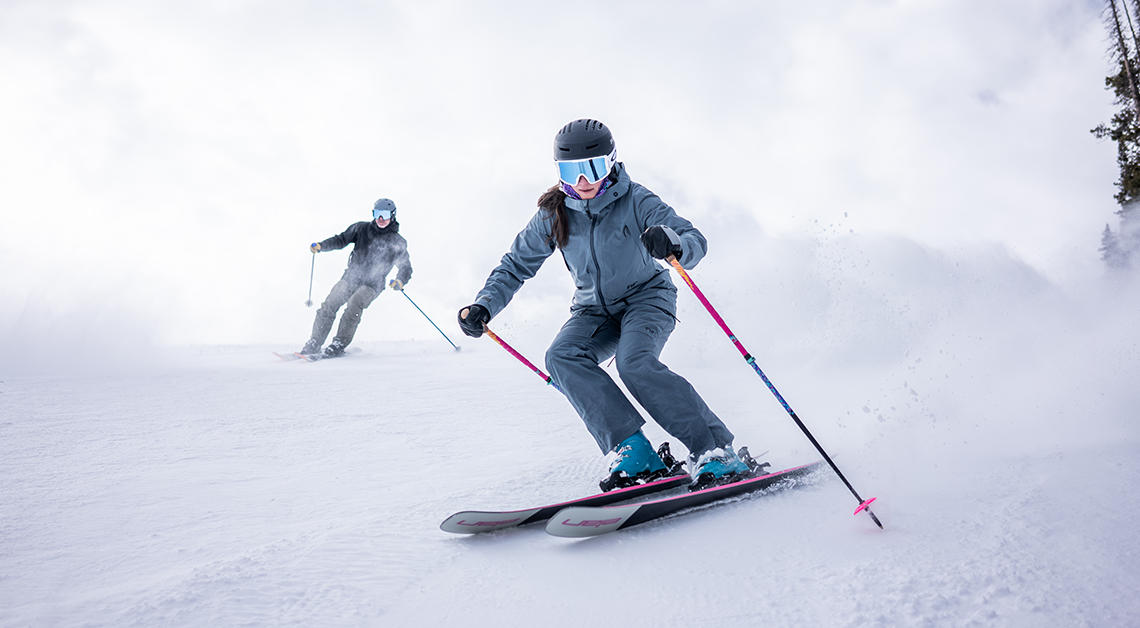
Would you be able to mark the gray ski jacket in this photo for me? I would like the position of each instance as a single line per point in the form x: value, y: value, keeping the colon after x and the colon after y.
x: 604, y: 254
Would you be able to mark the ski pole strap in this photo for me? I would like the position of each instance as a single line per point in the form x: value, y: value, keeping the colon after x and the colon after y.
x: 518, y: 355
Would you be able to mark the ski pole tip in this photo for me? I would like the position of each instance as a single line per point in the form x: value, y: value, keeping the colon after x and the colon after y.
x: 867, y: 507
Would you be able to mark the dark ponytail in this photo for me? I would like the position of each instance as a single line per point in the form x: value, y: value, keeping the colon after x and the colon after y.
x: 553, y: 204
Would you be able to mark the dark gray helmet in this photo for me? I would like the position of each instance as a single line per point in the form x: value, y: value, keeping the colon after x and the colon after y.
x: 582, y: 139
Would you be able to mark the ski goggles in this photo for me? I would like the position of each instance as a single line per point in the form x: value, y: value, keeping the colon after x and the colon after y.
x: 594, y: 169
x: 381, y: 214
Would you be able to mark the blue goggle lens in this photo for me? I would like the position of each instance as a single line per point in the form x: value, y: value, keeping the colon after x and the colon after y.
x: 594, y: 169
x: 381, y: 214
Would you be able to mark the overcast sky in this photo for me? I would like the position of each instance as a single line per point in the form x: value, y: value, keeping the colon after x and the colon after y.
x: 166, y: 164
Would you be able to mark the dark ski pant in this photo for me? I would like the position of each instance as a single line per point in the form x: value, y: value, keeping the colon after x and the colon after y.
x: 635, y: 336
x: 355, y: 298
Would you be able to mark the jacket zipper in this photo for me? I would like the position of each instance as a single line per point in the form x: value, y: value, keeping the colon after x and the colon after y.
x: 594, y: 257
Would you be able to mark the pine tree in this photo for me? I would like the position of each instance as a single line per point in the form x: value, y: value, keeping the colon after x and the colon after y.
x: 1117, y: 249
x: 1111, y: 252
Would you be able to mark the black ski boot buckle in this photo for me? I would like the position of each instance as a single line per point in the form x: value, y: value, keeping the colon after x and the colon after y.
x: 673, y: 467
x: 756, y: 469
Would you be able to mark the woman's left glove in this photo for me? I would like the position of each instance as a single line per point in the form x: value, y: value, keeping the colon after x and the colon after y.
x: 396, y: 284
x: 661, y: 242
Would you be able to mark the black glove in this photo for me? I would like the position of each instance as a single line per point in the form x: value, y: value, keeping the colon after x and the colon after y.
x: 661, y: 242
x: 472, y: 318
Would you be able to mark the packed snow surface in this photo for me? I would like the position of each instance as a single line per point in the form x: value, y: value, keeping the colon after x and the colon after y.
x: 992, y: 413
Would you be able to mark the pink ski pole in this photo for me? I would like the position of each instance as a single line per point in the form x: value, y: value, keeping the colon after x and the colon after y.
x: 863, y: 504
x: 511, y: 350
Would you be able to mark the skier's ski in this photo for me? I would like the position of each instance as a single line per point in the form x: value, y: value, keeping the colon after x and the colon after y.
x: 579, y: 521
x: 317, y: 357
x: 288, y: 357
x: 475, y: 521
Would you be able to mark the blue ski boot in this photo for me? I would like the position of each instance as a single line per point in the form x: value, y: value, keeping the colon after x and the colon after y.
x: 636, y: 463
x: 718, y: 466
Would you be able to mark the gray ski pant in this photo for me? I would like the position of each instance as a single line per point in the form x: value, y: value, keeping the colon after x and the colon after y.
x: 635, y: 336
x: 355, y: 299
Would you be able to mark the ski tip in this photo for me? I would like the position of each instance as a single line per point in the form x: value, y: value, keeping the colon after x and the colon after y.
x: 476, y: 522
x: 580, y: 522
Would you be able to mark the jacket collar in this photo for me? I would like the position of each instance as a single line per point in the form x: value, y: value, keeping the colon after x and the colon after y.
x: 393, y: 227
x: 597, y: 205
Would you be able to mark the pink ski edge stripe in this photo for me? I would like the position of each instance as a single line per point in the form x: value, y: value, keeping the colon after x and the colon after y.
x: 573, y: 501
x: 619, y: 491
x: 864, y: 505
x: 713, y: 488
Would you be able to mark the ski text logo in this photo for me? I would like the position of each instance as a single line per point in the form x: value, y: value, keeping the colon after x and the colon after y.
x: 592, y: 523
x: 483, y: 524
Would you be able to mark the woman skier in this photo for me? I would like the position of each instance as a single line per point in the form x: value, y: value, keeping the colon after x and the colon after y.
x: 609, y: 230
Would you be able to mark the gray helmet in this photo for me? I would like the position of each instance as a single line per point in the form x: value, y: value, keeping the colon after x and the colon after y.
x: 582, y: 139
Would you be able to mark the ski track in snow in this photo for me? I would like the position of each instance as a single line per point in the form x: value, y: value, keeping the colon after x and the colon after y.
x: 221, y: 487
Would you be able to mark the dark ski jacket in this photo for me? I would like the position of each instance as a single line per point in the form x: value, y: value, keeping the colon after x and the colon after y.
x: 604, y: 254
x: 375, y: 251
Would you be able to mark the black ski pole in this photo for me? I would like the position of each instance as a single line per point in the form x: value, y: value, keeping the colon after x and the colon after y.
x: 312, y: 267
x: 863, y: 504
x: 401, y: 291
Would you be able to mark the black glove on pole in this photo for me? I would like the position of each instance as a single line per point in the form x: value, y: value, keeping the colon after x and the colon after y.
x: 661, y: 242
x: 472, y: 318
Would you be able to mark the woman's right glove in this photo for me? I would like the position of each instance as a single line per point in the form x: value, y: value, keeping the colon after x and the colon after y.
x: 315, y: 247
x: 661, y: 242
x: 472, y: 318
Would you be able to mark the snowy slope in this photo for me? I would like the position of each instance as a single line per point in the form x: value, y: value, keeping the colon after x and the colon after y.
x: 167, y: 165
x: 995, y: 420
